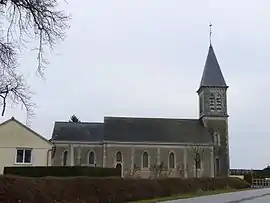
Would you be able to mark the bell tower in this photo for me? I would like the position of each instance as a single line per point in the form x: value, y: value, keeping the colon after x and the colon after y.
x: 212, y: 94
x: 213, y: 89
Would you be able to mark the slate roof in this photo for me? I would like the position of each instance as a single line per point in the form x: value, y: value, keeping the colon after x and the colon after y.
x: 128, y: 129
x: 155, y: 130
x: 212, y: 74
x: 82, y: 131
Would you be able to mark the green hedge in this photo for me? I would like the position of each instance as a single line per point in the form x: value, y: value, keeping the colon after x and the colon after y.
x: 87, y: 189
x: 62, y: 171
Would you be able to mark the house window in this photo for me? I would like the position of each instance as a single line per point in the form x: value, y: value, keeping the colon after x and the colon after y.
x: 171, y: 160
x: 212, y: 102
x: 91, y: 158
x: 219, y: 102
x: 118, y: 157
x: 24, y: 156
x: 145, y: 160
x: 65, y: 156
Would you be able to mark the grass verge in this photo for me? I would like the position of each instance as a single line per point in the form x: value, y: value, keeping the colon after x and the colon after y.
x: 190, y: 195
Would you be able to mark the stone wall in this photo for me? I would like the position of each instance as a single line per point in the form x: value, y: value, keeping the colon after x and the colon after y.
x: 132, y: 159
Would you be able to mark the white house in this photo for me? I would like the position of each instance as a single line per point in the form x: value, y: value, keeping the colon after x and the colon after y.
x: 21, y: 146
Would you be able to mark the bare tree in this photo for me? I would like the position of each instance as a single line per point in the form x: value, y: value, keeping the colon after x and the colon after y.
x: 198, y: 153
x: 24, y: 20
x: 181, y: 170
x: 157, y: 169
x: 135, y: 170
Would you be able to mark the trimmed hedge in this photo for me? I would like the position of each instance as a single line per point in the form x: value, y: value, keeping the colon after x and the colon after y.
x: 62, y: 171
x: 104, y: 190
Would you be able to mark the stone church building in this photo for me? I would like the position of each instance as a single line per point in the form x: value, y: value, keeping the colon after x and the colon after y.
x: 151, y: 147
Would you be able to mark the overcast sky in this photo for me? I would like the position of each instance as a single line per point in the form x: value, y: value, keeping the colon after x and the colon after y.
x: 145, y: 58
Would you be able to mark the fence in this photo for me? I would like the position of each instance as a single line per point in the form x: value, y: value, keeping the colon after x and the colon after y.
x: 260, y: 183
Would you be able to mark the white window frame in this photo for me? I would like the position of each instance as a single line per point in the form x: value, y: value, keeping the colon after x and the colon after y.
x: 23, y: 162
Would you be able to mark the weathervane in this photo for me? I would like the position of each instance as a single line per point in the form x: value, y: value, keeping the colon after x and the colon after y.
x: 210, y: 32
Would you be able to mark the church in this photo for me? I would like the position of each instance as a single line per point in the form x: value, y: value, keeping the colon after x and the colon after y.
x: 155, y: 147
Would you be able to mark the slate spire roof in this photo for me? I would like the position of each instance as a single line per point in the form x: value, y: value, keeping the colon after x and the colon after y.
x: 212, y: 74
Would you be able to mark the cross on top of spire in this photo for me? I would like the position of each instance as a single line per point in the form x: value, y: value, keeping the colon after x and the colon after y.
x: 210, y: 32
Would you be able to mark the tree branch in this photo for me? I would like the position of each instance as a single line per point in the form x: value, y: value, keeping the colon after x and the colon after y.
x: 36, y: 19
x: 26, y: 20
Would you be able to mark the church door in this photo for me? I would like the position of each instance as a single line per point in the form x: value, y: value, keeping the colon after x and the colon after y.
x: 119, y: 166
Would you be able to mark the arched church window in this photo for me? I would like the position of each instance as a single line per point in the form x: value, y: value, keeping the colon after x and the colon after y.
x: 119, y: 157
x: 218, y: 102
x: 91, y: 158
x: 171, y: 160
x: 212, y: 102
x: 145, y: 160
x: 65, y: 156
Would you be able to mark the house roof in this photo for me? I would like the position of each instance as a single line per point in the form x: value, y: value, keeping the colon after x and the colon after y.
x: 212, y: 74
x: 129, y: 129
x: 26, y: 127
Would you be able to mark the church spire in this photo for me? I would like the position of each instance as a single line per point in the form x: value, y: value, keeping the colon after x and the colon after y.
x: 212, y: 74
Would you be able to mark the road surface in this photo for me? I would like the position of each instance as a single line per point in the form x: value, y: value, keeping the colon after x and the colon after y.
x: 248, y: 196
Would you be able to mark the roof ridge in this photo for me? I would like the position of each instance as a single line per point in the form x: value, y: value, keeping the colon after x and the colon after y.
x: 84, y: 122
x: 158, y: 118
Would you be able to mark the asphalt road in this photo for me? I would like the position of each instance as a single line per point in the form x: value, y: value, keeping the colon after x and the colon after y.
x: 248, y: 196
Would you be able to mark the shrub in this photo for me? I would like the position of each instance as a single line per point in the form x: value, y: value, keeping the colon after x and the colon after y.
x: 62, y: 171
x: 103, y: 190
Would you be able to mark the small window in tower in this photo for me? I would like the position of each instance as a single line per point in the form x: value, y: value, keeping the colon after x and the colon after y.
x: 219, y: 102
x: 216, y: 138
x: 212, y: 102
x: 201, y: 105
